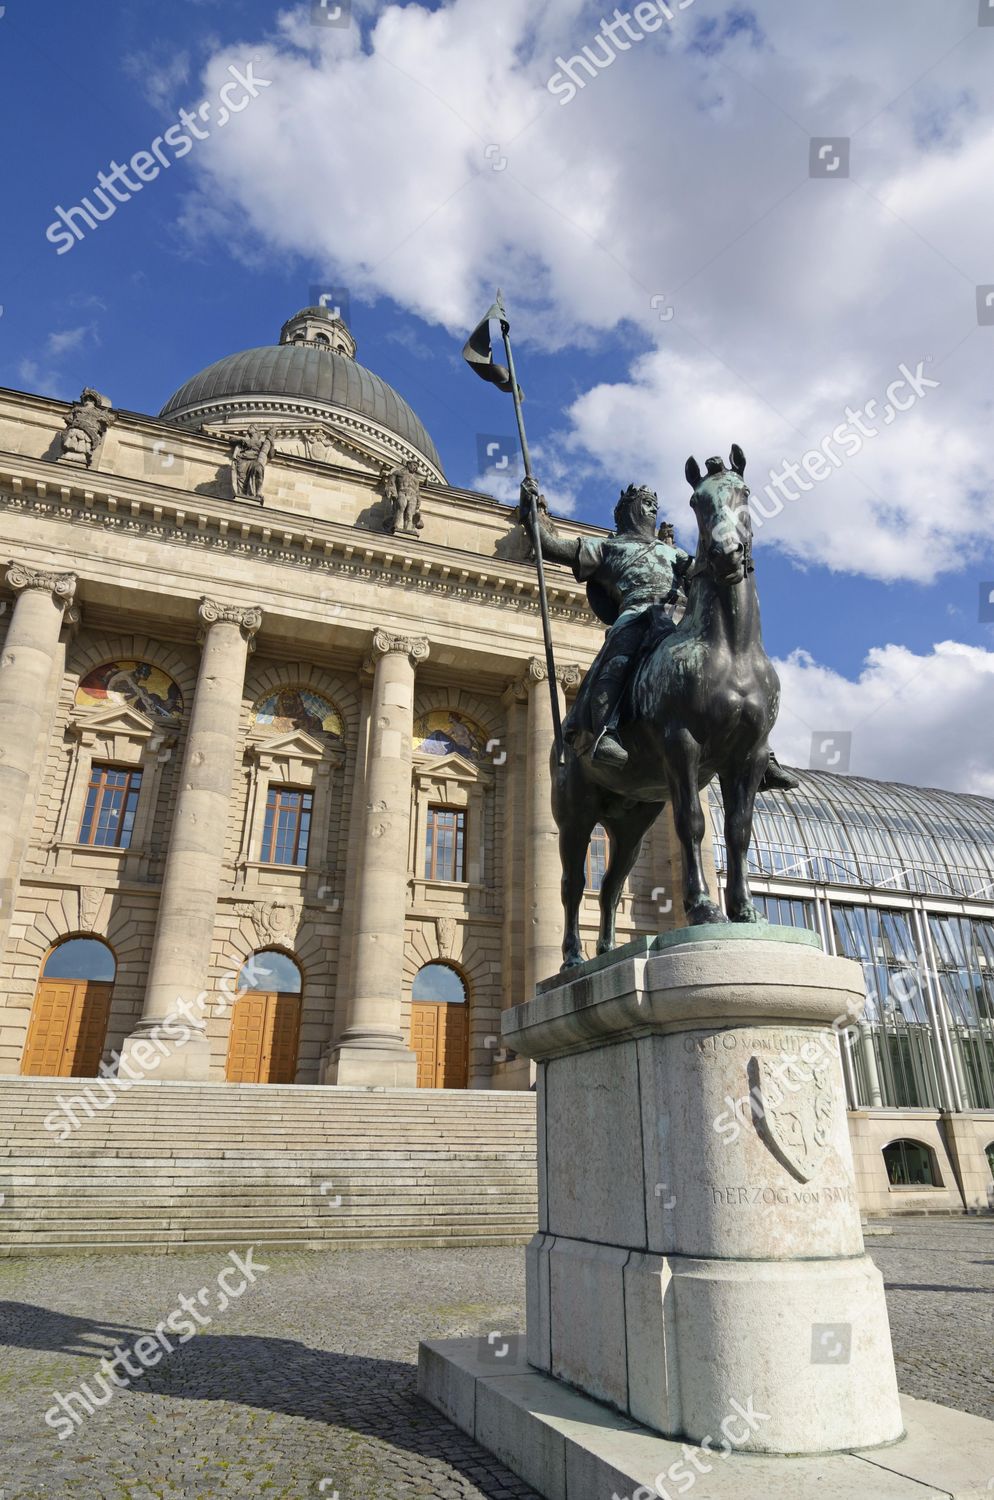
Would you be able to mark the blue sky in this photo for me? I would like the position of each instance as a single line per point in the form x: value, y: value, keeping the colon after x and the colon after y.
x: 678, y: 278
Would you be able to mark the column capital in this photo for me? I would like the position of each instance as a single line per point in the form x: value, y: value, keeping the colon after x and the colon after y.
x: 62, y: 586
x: 211, y: 613
x: 415, y: 647
x: 568, y: 675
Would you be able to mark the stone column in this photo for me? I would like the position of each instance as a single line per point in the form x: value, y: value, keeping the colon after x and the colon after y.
x: 191, y: 881
x: 372, y: 1048
x: 26, y: 666
x: 543, y: 871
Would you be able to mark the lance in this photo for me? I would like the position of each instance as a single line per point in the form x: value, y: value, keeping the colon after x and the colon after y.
x: 479, y: 355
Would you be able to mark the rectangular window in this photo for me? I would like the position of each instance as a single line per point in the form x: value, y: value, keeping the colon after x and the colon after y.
x: 109, y: 813
x: 287, y: 829
x: 596, y: 858
x: 445, y: 849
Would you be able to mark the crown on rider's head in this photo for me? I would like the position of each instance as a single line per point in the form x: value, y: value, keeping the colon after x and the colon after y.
x: 716, y: 466
x: 631, y: 500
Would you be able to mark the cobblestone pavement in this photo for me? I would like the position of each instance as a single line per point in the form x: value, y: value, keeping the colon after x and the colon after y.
x: 305, y: 1384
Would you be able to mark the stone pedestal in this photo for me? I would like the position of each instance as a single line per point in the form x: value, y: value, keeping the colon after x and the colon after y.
x: 699, y: 1301
x: 700, y: 1234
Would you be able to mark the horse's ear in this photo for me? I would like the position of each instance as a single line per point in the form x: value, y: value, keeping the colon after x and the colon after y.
x: 738, y: 460
x: 693, y: 473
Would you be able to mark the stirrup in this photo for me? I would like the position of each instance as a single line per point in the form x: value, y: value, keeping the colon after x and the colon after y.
x: 608, y: 750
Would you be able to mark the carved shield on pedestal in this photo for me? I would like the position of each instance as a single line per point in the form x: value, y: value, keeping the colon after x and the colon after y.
x: 793, y: 1116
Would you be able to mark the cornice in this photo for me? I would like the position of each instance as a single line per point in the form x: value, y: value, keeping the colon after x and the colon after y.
x: 118, y: 506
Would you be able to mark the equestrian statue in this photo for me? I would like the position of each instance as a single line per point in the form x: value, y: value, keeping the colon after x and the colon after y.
x: 681, y: 691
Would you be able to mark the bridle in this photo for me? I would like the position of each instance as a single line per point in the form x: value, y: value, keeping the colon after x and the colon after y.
x: 748, y: 565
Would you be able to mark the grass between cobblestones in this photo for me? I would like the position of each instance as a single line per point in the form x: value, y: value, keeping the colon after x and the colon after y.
x: 305, y: 1385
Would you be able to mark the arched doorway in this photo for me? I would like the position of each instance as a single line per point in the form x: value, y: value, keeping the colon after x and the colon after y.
x: 265, y: 1021
x: 71, y: 1008
x: 440, y: 1027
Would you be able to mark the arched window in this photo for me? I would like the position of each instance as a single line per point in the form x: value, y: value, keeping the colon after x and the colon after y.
x: 911, y: 1164
x: 81, y: 958
x: 597, y: 853
x: 270, y: 971
x: 322, y: 341
x: 440, y: 984
x: 990, y: 1157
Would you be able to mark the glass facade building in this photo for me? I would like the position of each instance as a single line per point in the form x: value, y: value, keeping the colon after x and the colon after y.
x: 901, y: 879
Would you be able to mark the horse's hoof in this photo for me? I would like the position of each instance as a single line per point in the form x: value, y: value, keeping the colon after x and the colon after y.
x: 706, y: 913
x: 604, y: 946
x: 570, y: 963
x: 747, y: 913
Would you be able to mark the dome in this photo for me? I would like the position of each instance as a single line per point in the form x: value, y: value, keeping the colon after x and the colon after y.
x: 312, y: 373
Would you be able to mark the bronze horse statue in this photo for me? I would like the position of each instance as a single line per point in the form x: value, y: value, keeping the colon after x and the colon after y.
x: 702, y: 702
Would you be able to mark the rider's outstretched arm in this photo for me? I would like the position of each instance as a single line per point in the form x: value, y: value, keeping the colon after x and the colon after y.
x: 554, y: 548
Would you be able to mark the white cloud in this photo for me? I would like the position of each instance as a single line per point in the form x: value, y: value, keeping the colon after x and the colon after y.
x: 681, y: 170
x: 927, y: 720
x: 68, y: 340
x: 160, y: 77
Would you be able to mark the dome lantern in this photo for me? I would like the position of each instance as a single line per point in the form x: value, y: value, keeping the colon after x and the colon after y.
x: 319, y: 328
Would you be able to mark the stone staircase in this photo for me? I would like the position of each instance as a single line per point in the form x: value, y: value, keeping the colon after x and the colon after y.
x: 180, y: 1166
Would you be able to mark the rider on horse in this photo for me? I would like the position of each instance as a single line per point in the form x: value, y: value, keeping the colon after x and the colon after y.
x: 635, y: 578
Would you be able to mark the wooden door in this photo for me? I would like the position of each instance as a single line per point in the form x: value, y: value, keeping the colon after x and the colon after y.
x: 265, y: 1034
x: 440, y: 1038
x: 68, y: 1029
x: 279, y: 1062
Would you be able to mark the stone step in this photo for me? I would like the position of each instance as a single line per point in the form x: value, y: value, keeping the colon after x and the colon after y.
x: 457, y: 1241
x: 170, y: 1167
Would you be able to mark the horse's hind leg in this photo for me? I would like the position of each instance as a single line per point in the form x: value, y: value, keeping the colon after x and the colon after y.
x: 626, y: 832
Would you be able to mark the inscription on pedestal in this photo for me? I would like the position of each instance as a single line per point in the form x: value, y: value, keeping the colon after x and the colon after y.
x: 765, y: 1197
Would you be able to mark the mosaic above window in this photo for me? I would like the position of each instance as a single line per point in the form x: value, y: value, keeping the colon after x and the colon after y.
x: 297, y: 708
x: 135, y: 684
x: 443, y: 732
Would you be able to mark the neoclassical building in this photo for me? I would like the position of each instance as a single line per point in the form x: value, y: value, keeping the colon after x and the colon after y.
x: 274, y: 737
x: 275, y: 730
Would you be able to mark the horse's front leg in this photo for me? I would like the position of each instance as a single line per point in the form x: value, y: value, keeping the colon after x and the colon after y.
x: 688, y: 816
x: 738, y: 792
x: 573, y: 841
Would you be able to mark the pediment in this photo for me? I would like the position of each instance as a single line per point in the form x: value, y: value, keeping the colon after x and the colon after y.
x: 120, y: 719
x: 451, y: 767
x: 296, y: 745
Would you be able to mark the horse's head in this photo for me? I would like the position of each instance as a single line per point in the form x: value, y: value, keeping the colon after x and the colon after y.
x: 721, y: 504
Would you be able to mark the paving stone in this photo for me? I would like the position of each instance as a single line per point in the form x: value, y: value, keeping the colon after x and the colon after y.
x: 306, y: 1384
